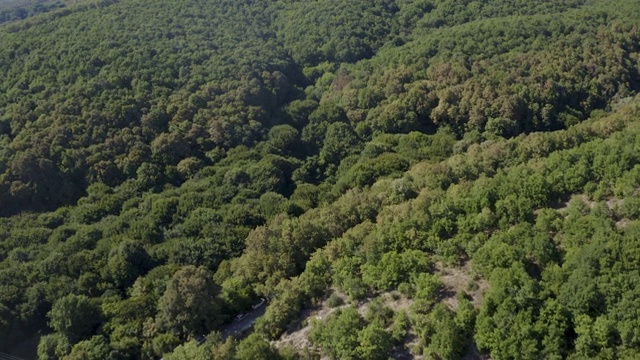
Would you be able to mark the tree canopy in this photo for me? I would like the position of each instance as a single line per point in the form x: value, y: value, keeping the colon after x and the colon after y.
x: 164, y: 165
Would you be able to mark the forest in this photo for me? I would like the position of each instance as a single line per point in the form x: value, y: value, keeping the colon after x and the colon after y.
x: 14, y: 10
x: 430, y: 179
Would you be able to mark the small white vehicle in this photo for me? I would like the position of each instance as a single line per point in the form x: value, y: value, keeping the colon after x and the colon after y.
x: 241, y: 316
x: 259, y: 304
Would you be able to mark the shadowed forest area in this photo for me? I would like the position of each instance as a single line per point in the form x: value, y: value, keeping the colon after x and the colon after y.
x: 417, y: 177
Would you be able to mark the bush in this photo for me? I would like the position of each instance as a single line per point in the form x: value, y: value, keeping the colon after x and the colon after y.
x: 334, y: 300
x: 406, y: 289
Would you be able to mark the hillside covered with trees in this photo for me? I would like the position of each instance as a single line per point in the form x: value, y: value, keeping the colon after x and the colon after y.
x: 166, y: 164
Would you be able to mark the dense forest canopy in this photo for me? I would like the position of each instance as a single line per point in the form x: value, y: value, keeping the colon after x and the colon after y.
x: 14, y: 10
x: 164, y: 165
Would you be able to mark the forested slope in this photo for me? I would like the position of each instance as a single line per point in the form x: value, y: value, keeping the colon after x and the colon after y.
x: 16, y: 10
x: 164, y: 164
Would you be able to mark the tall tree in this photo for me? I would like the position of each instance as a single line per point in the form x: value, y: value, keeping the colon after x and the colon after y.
x: 189, y: 304
x: 75, y: 316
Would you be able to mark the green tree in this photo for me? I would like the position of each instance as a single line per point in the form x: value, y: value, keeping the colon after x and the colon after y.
x: 189, y: 304
x: 74, y: 316
x: 255, y: 347
x: 126, y: 262
x: 96, y: 348
x: 375, y: 343
x: 340, y: 141
x: 501, y: 126
x: 338, y: 337
x: 53, y: 347
x: 283, y: 140
x: 505, y: 324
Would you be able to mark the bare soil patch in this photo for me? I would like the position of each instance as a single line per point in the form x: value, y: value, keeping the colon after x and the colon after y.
x: 455, y: 279
x: 297, y: 336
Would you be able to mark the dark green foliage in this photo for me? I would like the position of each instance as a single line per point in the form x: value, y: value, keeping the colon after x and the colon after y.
x: 366, y: 172
x: 189, y: 305
x: 14, y: 10
x: 395, y: 268
x: 442, y: 335
x: 282, y: 310
x: 497, y: 329
x: 53, y: 346
x: 378, y: 313
x: 344, y: 334
x: 292, y: 148
x: 74, y: 316
x: 375, y: 343
x: 339, y: 142
x: 334, y: 300
x: 95, y: 348
x: 338, y: 337
x: 399, y: 328
x: 354, y: 30
x: 126, y: 262
x: 255, y: 347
